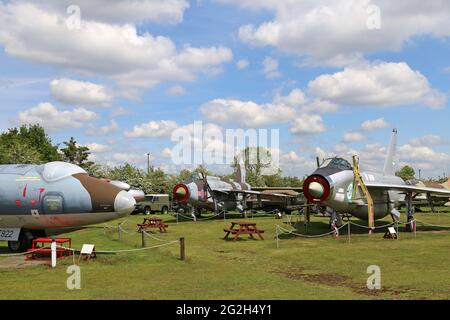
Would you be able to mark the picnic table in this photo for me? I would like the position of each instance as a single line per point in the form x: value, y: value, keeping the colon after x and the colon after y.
x: 39, y: 246
x: 152, y: 223
x: 243, y: 228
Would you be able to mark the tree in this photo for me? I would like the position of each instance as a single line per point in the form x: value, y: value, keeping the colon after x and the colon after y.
x: 76, y: 154
x: 255, y: 161
x: 406, y: 173
x: 27, y: 144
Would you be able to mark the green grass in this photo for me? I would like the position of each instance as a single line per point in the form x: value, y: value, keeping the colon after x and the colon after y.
x: 413, y: 267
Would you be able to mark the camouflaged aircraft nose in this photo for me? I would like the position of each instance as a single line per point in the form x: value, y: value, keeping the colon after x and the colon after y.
x: 103, y: 194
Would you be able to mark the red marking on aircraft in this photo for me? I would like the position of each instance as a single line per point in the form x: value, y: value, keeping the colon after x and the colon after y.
x: 18, y: 203
x: 40, y: 193
x: 33, y: 202
x: 24, y: 194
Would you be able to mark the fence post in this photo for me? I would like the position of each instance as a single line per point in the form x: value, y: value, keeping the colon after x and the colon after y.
x: 143, y: 238
x: 348, y: 230
x: 182, y: 252
x: 276, y: 232
x: 396, y: 226
x: 119, y: 231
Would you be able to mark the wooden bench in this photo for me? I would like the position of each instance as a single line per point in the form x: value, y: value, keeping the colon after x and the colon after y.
x: 152, y: 223
x: 244, y: 228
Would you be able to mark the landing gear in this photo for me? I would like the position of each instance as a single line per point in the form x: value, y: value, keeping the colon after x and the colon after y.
x: 410, y: 210
x: 23, y: 243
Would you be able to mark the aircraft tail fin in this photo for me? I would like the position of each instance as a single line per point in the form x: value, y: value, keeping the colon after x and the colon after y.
x: 240, y: 173
x: 389, y: 165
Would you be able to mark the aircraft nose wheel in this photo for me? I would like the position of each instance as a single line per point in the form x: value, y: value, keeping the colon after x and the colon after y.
x: 21, y: 245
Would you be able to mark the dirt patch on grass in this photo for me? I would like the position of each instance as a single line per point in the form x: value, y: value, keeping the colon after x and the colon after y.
x: 20, y: 262
x: 336, y: 280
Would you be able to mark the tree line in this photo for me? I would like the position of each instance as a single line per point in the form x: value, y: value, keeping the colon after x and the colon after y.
x: 30, y: 144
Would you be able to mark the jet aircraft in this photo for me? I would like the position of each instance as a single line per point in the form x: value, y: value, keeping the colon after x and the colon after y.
x: 201, y: 192
x: 333, y: 184
x: 38, y: 200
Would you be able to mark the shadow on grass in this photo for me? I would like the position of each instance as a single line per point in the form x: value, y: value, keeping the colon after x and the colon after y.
x: 318, y: 228
x: 229, y: 216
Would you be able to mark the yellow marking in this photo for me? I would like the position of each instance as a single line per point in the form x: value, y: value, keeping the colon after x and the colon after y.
x: 359, y: 182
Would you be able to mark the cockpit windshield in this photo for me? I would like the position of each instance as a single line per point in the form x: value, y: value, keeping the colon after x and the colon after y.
x: 336, y: 163
x: 58, y: 170
x: 194, y: 177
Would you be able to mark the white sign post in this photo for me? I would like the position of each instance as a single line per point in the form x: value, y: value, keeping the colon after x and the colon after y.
x: 53, y: 248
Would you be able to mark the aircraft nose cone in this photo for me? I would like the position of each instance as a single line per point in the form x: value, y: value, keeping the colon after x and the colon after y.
x: 124, y: 203
x: 316, y: 190
x: 181, y: 193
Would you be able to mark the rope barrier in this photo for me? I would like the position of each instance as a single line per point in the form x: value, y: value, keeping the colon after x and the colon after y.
x: 379, y: 227
x: 311, y: 236
x: 201, y: 219
x: 138, y: 249
x: 431, y: 225
x: 154, y: 237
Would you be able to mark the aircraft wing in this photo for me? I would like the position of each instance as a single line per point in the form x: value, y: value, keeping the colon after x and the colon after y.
x: 408, y: 188
x: 295, y: 189
x: 250, y: 192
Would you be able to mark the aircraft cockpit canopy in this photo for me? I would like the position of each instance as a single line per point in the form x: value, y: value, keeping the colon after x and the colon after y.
x: 57, y: 170
x: 337, y: 164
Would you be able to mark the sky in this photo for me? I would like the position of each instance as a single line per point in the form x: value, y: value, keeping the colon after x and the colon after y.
x: 333, y: 77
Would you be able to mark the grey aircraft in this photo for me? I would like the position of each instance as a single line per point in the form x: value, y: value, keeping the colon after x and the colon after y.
x: 40, y: 200
x: 332, y: 185
x: 201, y: 192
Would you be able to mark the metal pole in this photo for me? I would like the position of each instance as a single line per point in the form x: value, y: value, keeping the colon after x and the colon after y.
x: 182, y: 252
x: 148, y: 163
x: 143, y: 238
x: 396, y: 226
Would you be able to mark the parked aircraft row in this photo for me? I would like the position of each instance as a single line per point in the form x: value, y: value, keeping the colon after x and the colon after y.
x: 37, y: 200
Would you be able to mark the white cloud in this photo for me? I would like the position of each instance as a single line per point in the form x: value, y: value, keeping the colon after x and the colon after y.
x: 76, y: 92
x: 428, y: 140
x: 120, y: 111
x: 248, y: 114
x: 102, y: 130
x: 129, y: 157
x: 152, y: 129
x: 353, y: 136
x: 114, y: 51
x: 270, y: 68
x: 98, y: 147
x: 294, y: 99
x: 124, y: 11
x: 242, y: 64
x: 166, y: 153
x: 308, y: 124
x: 319, y: 106
x: 52, y: 119
x: 176, y: 91
x: 379, y: 123
x: 337, y: 32
x: 382, y: 84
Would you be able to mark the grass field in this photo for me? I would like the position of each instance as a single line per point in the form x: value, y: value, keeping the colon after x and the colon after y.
x: 413, y: 267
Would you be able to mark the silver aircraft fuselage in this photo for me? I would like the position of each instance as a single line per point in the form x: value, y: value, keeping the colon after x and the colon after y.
x: 57, y: 195
x: 333, y: 187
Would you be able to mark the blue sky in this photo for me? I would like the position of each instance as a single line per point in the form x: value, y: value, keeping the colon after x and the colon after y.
x: 397, y: 73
